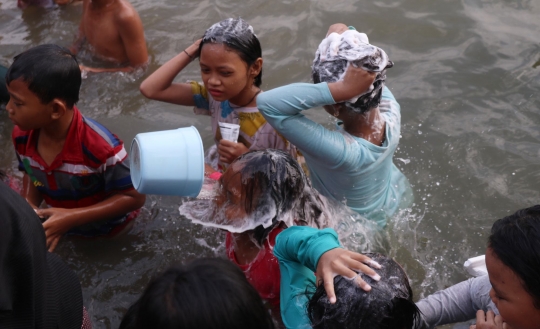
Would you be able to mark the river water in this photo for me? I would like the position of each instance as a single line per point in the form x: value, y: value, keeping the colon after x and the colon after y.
x: 466, y: 75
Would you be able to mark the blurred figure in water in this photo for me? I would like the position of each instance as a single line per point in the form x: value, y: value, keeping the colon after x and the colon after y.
x: 114, y: 31
x: 208, y: 293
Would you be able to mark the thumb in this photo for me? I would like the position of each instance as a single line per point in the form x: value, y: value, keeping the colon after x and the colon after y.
x: 43, y: 213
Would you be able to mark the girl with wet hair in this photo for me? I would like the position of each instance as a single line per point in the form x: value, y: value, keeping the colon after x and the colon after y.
x: 230, y: 59
x: 352, y: 296
x: 259, y: 195
x: 206, y: 293
x: 353, y: 163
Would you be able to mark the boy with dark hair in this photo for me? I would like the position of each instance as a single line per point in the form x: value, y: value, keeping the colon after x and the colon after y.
x: 78, y: 167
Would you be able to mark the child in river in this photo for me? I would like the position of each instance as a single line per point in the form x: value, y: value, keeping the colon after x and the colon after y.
x: 77, y: 166
x: 231, y: 69
x: 352, y: 295
x: 206, y: 293
x: 260, y: 194
x: 114, y: 31
x: 354, y: 163
x: 509, y: 296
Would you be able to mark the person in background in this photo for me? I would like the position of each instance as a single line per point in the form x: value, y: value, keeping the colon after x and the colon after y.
x: 509, y: 296
x: 78, y: 167
x: 353, y: 164
x: 38, y: 290
x: 114, y: 32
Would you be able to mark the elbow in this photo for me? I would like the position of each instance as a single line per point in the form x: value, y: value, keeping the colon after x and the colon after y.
x: 146, y: 89
x: 140, y: 199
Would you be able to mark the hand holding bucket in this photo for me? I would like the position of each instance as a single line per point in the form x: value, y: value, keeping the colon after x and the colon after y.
x: 169, y: 162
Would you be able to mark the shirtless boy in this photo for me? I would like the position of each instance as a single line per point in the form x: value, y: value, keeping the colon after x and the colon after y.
x: 115, y: 32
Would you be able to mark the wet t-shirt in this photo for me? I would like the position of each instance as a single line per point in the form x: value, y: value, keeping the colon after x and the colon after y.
x: 263, y: 272
x: 255, y: 132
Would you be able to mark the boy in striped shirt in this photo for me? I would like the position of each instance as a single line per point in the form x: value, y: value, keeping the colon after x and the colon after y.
x: 78, y: 167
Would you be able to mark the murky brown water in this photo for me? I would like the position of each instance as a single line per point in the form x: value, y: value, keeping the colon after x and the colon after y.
x: 466, y: 76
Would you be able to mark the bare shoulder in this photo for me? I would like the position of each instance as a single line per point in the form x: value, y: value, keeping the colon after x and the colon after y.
x: 126, y: 14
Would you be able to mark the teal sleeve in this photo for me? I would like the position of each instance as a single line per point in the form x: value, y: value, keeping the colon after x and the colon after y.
x: 298, y: 249
x: 282, y: 108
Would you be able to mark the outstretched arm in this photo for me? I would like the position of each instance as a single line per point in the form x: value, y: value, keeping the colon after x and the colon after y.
x: 61, y: 220
x: 457, y: 303
x: 160, y: 86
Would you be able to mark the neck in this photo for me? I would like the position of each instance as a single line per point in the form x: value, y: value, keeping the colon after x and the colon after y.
x: 247, y: 97
x: 369, y: 126
x: 245, y: 248
x: 58, y: 130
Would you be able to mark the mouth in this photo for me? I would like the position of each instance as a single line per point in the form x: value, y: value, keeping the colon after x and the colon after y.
x: 215, y: 92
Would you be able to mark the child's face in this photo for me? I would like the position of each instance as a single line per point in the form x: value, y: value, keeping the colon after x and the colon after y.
x: 515, y: 304
x: 225, y: 75
x: 229, y: 200
x: 25, y: 109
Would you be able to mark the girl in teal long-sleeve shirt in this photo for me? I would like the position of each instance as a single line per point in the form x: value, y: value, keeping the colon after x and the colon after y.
x: 353, y: 163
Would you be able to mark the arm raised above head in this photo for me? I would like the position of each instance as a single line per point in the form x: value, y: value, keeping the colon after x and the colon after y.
x: 160, y: 86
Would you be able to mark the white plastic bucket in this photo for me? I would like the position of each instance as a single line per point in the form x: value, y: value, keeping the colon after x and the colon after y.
x: 169, y: 162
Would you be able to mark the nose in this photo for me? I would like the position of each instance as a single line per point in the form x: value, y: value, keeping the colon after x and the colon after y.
x: 213, y: 80
x: 9, y: 106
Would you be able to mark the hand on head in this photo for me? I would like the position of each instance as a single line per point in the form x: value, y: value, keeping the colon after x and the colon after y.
x: 347, y: 264
x: 337, y: 28
x: 355, y: 82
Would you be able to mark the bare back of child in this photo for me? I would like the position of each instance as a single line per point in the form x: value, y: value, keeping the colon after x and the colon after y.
x: 114, y: 31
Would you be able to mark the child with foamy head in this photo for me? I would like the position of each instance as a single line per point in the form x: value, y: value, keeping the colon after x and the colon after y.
x: 509, y: 296
x: 354, y: 161
x: 114, y: 32
x: 230, y: 62
x: 345, y: 292
x: 261, y: 194
x: 73, y: 164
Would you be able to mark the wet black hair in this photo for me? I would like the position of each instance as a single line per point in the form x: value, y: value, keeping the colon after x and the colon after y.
x: 50, y: 71
x: 207, y: 293
x: 389, y: 304
x: 515, y: 240
x: 280, y: 178
x: 236, y: 34
x: 330, y: 71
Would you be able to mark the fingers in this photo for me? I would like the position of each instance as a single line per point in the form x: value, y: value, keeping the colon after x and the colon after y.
x: 480, y: 317
x: 472, y: 326
x: 53, y: 243
x: 329, y: 288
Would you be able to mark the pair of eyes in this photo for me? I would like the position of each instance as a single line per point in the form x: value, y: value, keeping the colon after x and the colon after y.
x: 224, y: 73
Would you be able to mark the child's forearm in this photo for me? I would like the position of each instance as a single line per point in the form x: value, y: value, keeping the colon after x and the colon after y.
x: 113, y: 207
x: 158, y: 82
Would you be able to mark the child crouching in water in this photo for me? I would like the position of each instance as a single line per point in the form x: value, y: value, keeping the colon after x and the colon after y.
x: 230, y: 59
x: 509, y: 296
x: 260, y: 195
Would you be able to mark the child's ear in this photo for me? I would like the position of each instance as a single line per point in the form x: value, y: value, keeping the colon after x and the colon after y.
x: 256, y: 67
x: 59, y: 108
